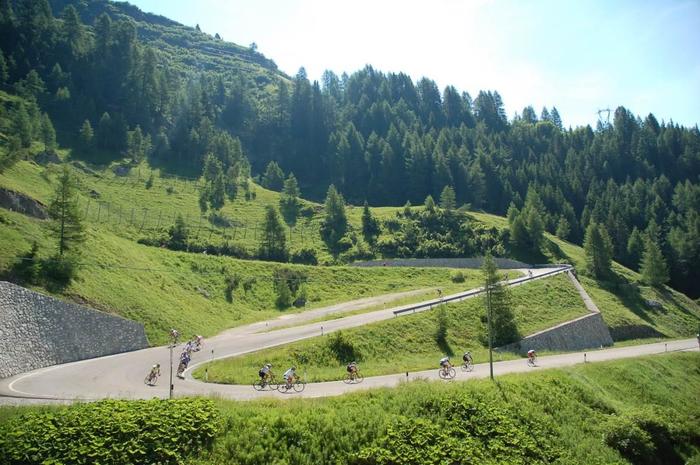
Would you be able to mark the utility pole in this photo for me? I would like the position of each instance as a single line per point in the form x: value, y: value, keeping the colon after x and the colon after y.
x: 488, y: 319
x: 173, y: 342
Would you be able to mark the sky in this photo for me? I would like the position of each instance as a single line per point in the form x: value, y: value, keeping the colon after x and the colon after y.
x: 578, y: 56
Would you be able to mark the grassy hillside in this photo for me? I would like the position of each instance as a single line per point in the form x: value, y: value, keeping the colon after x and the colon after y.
x: 407, y: 343
x: 165, y: 289
x: 630, y: 308
x: 641, y: 411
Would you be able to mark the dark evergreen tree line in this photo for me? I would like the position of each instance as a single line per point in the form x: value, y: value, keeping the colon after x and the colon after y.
x: 380, y: 138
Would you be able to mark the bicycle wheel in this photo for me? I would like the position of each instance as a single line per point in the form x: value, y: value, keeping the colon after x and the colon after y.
x: 299, y: 386
x: 348, y: 378
x: 147, y: 380
x: 442, y: 374
x: 358, y: 377
x: 259, y: 385
x: 273, y: 383
x: 451, y: 373
x: 467, y: 366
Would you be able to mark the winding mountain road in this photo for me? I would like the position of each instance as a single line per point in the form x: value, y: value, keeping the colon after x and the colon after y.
x: 122, y: 375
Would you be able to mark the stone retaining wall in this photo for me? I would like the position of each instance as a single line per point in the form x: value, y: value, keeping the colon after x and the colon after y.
x: 38, y: 331
x: 474, y: 262
x: 586, y: 332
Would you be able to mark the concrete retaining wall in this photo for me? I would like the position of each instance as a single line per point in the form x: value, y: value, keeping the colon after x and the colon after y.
x: 38, y: 331
x: 475, y: 262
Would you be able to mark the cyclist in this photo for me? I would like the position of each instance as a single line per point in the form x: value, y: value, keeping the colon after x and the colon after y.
x: 445, y: 364
x: 531, y: 356
x: 154, y: 374
x: 198, y: 341
x: 352, y: 368
x: 290, y: 375
x: 174, y: 334
x: 265, y: 372
x: 467, y: 357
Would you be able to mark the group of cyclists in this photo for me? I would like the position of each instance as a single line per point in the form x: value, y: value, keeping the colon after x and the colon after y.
x: 447, y: 369
x: 192, y: 345
x: 290, y: 376
x: 291, y: 379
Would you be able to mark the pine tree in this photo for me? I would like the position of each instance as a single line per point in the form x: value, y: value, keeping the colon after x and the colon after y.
x: 4, y: 74
x: 370, y: 225
x: 23, y: 126
x: 273, y: 243
x: 335, y: 222
x: 598, y: 248
x: 86, y: 136
x: 63, y: 210
x: 498, y: 301
x: 273, y: 178
x: 217, y: 192
x: 429, y: 204
x: 289, y: 200
x: 563, y: 228
x: 653, y: 268
x: 635, y: 248
x: 179, y: 234
x: 448, y: 199
x: 48, y: 134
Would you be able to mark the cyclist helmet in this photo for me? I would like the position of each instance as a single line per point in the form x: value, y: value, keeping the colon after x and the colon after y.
x: 155, y: 366
x: 269, y: 365
x: 294, y: 368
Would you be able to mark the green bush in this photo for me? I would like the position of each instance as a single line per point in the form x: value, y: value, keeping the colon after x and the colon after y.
x: 58, y: 271
x: 631, y: 441
x: 457, y: 277
x: 110, y: 431
x: 305, y: 257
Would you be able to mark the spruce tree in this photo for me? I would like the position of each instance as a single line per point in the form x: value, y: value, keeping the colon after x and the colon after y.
x: 370, y: 225
x: 335, y: 222
x: 289, y: 200
x: 23, y: 126
x: 48, y: 134
x: 86, y: 137
x: 653, y: 267
x: 273, y: 178
x: 63, y: 210
x: 273, y: 243
x: 563, y: 228
x: 179, y: 233
x: 498, y: 300
x: 599, y: 249
x: 635, y: 248
x: 217, y: 192
x: 448, y: 199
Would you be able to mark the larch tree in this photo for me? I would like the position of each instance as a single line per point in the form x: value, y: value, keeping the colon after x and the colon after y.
x: 653, y: 267
x: 599, y: 249
x: 273, y: 243
x: 63, y: 210
x: 335, y: 222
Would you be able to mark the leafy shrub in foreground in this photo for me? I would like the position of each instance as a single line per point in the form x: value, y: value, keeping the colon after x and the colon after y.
x: 111, y: 431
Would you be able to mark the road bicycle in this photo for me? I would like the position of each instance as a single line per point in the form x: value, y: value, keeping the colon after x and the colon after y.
x: 353, y: 377
x: 467, y: 366
x: 151, y: 379
x: 447, y: 373
x: 270, y: 382
x: 297, y: 385
x: 532, y: 361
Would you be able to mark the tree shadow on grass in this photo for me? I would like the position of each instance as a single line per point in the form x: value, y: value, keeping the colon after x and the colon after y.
x: 445, y: 347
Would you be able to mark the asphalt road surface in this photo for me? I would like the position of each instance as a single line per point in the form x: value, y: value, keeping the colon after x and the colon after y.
x: 122, y: 375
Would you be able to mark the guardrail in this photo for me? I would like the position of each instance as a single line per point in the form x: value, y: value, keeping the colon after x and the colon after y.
x: 464, y: 295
